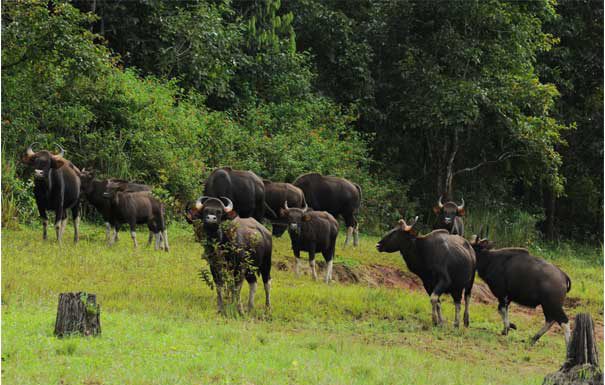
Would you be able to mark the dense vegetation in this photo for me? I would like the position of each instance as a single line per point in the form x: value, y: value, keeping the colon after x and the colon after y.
x: 497, y: 102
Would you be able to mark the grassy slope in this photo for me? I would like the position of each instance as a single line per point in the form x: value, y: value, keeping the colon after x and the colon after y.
x: 160, y: 324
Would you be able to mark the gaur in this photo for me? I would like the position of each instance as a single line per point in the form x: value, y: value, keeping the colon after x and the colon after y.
x: 444, y: 262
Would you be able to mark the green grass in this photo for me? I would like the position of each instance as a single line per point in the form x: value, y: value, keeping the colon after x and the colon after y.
x: 159, y: 321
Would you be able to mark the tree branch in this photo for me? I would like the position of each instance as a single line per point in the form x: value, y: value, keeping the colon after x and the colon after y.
x: 503, y: 156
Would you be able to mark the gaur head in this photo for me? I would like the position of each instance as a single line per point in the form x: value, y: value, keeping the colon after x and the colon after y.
x: 86, y: 179
x: 211, y: 211
x: 295, y: 216
x: 481, y: 243
x: 42, y: 161
x: 446, y: 212
x: 391, y: 242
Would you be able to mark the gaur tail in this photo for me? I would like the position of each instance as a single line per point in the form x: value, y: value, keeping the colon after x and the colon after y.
x: 568, y: 282
x: 358, y: 187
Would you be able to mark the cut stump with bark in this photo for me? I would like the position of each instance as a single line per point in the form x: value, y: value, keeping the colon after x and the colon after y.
x: 78, y: 313
x: 581, y: 366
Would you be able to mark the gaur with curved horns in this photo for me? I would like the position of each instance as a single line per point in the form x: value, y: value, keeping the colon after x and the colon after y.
x: 311, y: 231
x: 449, y: 216
x: 444, y: 262
x: 56, y: 188
x: 241, y: 245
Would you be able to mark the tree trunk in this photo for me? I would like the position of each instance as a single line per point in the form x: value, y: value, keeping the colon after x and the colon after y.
x: 581, y: 366
x: 78, y: 313
x: 549, y: 206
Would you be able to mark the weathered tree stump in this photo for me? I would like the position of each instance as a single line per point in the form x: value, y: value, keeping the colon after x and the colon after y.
x: 78, y: 313
x: 581, y: 366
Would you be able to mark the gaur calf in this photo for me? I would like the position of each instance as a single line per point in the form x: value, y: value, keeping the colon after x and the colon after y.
x: 93, y: 190
x: 444, y: 262
x: 56, y: 188
x: 236, y: 248
x: 138, y: 207
x: 312, y: 231
x: 449, y: 217
x: 514, y: 275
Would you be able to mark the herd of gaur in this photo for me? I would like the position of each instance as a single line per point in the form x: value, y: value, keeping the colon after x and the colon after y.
x: 235, y: 203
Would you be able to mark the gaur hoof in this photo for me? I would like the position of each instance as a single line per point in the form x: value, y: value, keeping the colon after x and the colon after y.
x: 505, y: 331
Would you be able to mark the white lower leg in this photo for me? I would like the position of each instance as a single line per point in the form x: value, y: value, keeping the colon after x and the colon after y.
x: 107, y: 232
x: 165, y: 239
x: 133, y: 235
x: 434, y: 305
x: 312, y: 264
x: 253, y: 286
x: 329, y: 272
x: 457, y: 317
x: 297, y: 268
x: 58, y: 226
x: 566, y: 332
x: 157, y: 240
x: 467, y: 303
x: 349, y: 233
x: 356, y: 236
x: 268, y: 294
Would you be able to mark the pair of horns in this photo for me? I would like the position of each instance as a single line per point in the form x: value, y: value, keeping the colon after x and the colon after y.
x: 440, y: 203
x: 199, y: 204
x: 407, y: 227
x: 30, y: 151
x: 304, y: 208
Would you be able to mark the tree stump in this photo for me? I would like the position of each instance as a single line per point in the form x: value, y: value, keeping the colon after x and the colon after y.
x: 581, y: 366
x: 78, y: 313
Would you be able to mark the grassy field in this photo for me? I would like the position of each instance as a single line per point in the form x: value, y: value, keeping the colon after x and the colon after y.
x: 159, y: 321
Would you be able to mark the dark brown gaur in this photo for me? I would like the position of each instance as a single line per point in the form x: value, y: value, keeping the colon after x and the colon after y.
x: 242, y: 239
x: 514, y: 275
x: 56, y: 188
x: 449, y: 216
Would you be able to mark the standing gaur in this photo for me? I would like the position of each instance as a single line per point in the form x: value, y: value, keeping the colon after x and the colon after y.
x: 93, y: 190
x: 514, y: 275
x: 276, y: 195
x: 311, y: 231
x: 56, y: 188
x: 137, y: 207
x: 244, y: 188
x: 337, y: 196
x: 444, y: 262
x: 241, y: 245
x: 449, y: 217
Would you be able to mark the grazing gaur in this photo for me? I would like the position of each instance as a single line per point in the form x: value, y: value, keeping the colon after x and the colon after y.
x: 244, y: 188
x: 93, y: 190
x: 276, y: 195
x: 444, y: 262
x: 449, y: 217
x: 137, y: 207
x: 242, y: 245
x: 337, y: 196
x: 56, y: 188
x: 514, y: 275
x: 311, y: 231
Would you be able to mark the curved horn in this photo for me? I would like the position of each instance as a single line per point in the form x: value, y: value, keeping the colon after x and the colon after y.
x: 199, y: 204
x: 286, y: 205
x: 30, y: 150
x: 62, y: 149
x: 440, y: 203
x: 306, y: 207
x: 414, y: 222
x: 462, y: 205
x: 229, y: 206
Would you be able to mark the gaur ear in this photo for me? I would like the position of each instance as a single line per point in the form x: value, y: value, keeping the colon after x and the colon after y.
x: 306, y: 218
x: 57, y: 161
x: 231, y: 214
x: 461, y: 212
x: 436, y: 209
